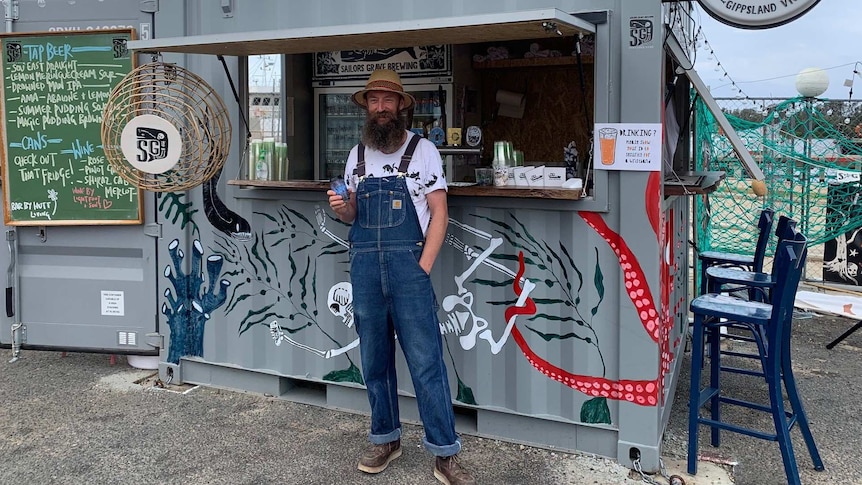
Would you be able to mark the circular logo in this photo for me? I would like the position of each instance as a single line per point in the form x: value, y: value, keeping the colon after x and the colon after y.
x: 757, y: 14
x: 437, y: 135
x: 151, y: 144
x: 474, y: 136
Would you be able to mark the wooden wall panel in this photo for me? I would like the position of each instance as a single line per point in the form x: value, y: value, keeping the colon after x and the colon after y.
x: 553, y: 116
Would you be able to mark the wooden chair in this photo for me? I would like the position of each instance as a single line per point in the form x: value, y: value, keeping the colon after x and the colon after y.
x: 754, y: 262
x: 770, y: 325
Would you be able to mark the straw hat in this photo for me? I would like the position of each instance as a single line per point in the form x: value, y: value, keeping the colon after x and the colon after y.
x: 383, y: 80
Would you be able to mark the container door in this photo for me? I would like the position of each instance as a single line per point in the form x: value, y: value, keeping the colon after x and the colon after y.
x: 88, y: 288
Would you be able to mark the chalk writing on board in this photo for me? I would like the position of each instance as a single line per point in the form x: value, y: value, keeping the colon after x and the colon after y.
x: 55, y: 89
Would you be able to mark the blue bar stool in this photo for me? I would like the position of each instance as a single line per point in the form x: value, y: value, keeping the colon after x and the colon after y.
x: 708, y: 259
x: 772, y: 322
x: 720, y: 279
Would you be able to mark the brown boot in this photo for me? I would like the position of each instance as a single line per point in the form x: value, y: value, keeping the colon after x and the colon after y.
x: 450, y: 471
x: 376, y: 458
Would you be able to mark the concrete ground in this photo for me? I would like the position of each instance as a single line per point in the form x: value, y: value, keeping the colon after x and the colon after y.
x: 827, y: 381
x: 76, y: 419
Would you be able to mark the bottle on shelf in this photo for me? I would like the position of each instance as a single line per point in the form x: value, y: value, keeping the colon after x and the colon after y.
x: 261, y: 168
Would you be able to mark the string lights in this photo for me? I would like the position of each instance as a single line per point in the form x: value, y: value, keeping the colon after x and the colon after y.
x: 849, y: 82
x: 702, y: 43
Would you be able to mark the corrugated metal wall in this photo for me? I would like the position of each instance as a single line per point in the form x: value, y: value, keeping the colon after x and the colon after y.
x: 291, y: 264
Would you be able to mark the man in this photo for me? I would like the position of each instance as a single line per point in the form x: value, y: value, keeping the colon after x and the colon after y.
x: 397, y: 204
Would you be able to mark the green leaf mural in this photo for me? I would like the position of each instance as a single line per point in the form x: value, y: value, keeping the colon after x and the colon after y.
x: 599, y: 281
x: 596, y: 411
x: 350, y: 374
x: 171, y: 206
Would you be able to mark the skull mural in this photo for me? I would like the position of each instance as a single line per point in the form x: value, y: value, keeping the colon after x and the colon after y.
x: 340, y: 302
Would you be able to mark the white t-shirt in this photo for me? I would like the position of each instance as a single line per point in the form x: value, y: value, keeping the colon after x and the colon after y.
x: 424, y: 175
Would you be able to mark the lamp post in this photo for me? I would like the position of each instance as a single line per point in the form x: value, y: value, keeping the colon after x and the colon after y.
x: 810, y: 83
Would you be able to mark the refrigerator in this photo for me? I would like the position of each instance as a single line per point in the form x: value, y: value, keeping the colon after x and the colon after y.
x: 339, y: 121
x: 426, y: 73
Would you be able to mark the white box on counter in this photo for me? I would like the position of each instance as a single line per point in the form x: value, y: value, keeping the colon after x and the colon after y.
x: 521, y: 176
x: 555, y: 176
x: 536, y: 176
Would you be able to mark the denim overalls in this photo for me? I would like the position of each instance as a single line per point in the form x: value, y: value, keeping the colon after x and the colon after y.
x: 392, y: 295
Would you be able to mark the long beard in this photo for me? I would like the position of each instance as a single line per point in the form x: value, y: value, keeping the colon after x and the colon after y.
x: 385, y: 137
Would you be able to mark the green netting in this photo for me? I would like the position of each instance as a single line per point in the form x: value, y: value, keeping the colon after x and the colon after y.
x: 811, y: 153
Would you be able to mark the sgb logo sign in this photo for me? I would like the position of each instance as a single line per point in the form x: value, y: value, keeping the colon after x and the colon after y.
x: 151, y: 144
x: 640, y: 31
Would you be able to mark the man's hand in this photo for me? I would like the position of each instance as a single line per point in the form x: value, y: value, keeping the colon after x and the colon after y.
x: 344, y: 209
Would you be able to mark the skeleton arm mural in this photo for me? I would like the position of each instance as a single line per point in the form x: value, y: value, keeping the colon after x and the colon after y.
x: 340, y: 303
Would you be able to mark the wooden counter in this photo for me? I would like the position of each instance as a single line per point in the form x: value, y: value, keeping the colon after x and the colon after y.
x: 454, y: 190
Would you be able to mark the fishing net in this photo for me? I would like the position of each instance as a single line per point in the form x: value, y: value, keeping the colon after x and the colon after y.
x: 811, y: 153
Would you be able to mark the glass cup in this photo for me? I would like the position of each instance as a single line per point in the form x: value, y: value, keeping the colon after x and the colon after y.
x: 485, y: 176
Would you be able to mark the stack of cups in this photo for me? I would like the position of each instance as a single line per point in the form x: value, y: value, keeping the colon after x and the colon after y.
x: 503, y: 159
x: 279, y: 162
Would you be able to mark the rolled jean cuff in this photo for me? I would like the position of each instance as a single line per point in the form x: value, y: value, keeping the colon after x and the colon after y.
x: 447, y: 450
x: 382, y: 439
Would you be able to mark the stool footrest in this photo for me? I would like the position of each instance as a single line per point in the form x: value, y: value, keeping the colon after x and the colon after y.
x: 747, y: 372
x: 738, y: 429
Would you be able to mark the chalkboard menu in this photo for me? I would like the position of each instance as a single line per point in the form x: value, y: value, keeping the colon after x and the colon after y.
x: 54, y: 88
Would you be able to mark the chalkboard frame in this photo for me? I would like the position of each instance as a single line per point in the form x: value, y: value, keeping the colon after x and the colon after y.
x: 6, y: 188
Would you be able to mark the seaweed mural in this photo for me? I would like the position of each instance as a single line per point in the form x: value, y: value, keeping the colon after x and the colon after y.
x: 293, y: 310
x: 190, y: 305
x: 171, y: 206
x: 559, y: 270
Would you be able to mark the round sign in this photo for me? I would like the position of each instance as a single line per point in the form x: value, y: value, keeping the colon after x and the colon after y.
x: 473, y: 136
x: 757, y: 14
x: 437, y: 135
x: 151, y: 144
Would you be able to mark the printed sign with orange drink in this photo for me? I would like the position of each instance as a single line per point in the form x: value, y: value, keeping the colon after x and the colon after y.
x: 627, y: 146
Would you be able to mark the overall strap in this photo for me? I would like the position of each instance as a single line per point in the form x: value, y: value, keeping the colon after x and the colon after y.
x: 408, y: 154
x: 359, y: 171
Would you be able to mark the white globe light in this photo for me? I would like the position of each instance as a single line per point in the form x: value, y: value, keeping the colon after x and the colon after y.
x: 812, y: 82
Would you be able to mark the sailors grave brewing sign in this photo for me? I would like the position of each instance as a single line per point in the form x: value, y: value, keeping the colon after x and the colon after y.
x: 757, y: 14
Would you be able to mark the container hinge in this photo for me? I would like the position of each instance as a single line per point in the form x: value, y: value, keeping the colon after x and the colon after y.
x: 12, y: 9
x: 155, y: 340
x: 153, y: 229
x: 149, y: 6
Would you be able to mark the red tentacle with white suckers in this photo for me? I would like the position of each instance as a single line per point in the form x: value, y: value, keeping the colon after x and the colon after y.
x: 644, y: 393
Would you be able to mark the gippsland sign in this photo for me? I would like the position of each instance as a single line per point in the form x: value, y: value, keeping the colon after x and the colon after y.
x: 757, y: 14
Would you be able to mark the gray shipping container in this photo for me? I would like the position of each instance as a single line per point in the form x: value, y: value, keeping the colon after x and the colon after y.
x: 242, y: 286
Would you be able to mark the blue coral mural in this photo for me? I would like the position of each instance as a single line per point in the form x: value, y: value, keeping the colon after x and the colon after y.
x: 189, y: 306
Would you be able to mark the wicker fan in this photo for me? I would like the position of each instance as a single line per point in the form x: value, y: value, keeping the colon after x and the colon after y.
x: 198, y: 128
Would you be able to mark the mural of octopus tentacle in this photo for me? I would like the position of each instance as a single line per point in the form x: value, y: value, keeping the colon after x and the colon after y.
x: 222, y: 218
x: 595, y: 410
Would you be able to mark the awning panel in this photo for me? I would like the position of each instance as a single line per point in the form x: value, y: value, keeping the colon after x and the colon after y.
x: 446, y: 30
x: 738, y: 146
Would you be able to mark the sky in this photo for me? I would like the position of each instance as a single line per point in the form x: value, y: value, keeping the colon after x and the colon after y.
x: 764, y: 63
